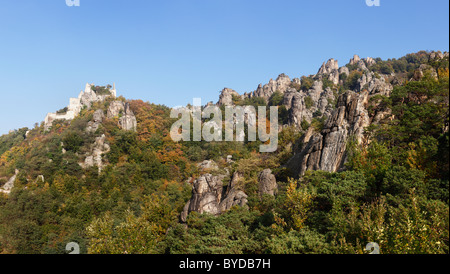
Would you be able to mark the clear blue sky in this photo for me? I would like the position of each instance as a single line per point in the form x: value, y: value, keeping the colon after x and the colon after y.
x: 170, y: 51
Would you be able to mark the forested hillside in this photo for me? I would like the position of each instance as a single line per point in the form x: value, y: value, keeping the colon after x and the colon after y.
x: 363, y: 156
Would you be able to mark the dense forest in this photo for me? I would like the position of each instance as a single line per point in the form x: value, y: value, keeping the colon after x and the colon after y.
x: 393, y: 190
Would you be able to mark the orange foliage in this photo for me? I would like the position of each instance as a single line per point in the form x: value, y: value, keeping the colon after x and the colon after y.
x: 149, y: 118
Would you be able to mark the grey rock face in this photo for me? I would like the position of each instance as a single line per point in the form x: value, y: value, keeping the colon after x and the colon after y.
x: 326, y: 150
x: 233, y: 196
x: 422, y: 70
x: 369, y: 61
x: 354, y: 60
x: 319, y: 99
x: 210, y: 196
x: 334, y: 76
x: 96, y: 121
x: 297, y: 109
x: 7, y: 187
x: 226, y: 97
x: 373, y: 84
x: 127, y: 120
x: 207, y: 165
x: 267, y: 183
x: 330, y: 70
x: 328, y: 67
x: 281, y: 84
x: 115, y: 108
x: 437, y: 55
x: 94, y: 157
x: 344, y: 70
x: 359, y: 62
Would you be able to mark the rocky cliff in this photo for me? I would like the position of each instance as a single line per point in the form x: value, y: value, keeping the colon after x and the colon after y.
x: 341, y: 108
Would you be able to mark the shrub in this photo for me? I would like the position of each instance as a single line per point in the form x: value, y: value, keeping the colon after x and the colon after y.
x: 308, y: 102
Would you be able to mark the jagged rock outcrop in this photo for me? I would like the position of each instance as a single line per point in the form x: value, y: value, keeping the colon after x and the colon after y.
x: 438, y: 55
x: 207, y: 165
x: 210, y: 196
x: 127, y: 120
x: 370, y: 61
x: 358, y: 62
x: 326, y: 150
x: 374, y: 84
x: 423, y: 70
x: 344, y: 70
x: 226, y: 97
x: 309, y: 104
x: 94, y: 157
x: 7, y: 187
x: 331, y: 69
x: 233, y: 196
x: 354, y: 60
x: 97, y: 119
x: 267, y: 183
x: 281, y: 84
x: 328, y: 67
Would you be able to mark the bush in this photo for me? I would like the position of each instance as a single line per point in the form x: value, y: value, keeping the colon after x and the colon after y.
x: 306, y: 83
x: 276, y: 99
x: 308, y: 102
x: 72, y: 141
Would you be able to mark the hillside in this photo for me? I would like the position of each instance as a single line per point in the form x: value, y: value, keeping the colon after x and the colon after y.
x: 362, y: 157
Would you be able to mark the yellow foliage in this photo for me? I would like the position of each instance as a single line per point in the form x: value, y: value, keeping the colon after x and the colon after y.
x: 298, y: 202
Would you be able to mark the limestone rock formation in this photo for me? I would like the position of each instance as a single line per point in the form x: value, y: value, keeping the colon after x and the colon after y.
x: 423, y: 70
x: 369, y: 61
x: 7, y: 187
x: 374, y: 85
x: 354, y: 60
x: 210, y: 196
x: 127, y: 120
x: 281, y: 84
x: 344, y: 70
x: 94, y: 157
x: 326, y: 150
x: 358, y: 61
x: 307, y: 105
x: 328, y: 67
x: 233, y: 196
x: 96, y: 121
x: 207, y: 165
x: 437, y: 55
x: 267, y: 183
x: 226, y: 97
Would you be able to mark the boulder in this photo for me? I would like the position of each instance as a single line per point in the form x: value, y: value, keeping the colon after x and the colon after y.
x: 267, y: 183
x: 210, y: 196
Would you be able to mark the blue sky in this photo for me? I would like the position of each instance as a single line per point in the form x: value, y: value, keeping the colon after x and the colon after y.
x: 170, y: 51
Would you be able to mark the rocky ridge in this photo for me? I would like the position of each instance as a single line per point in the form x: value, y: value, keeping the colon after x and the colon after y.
x: 344, y: 114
